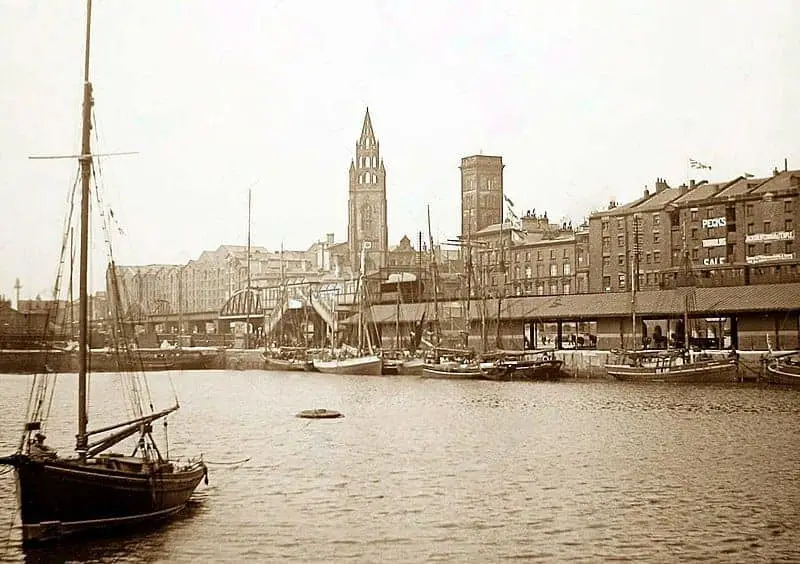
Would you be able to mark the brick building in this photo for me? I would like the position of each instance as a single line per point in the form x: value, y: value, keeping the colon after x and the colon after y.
x: 705, y: 234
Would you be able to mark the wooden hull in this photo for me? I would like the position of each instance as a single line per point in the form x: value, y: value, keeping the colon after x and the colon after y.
x: 65, y: 497
x: 411, y: 367
x: 284, y: 364
x: 359, y: 366
x: 40, y: 361
x: 698, y: 372
x: 453, y: 371
x: 783, y: 374
x: 149, y: 360
x: 530, y: 370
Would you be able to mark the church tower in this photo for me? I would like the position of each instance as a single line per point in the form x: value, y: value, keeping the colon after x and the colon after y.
x: 366, y: 216
x: 481, y: 193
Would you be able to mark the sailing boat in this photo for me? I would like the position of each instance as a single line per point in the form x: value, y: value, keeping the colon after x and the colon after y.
x: 456, y: 363
x: 355, y: 361
x: 94, y: 489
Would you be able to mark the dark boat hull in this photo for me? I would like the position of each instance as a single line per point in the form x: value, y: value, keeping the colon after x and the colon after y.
x: 697, y: 372
x: 530, y: 370
x: 39, y: 361
x: 66, y: 497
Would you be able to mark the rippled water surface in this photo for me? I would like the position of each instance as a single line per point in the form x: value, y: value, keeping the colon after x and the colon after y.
x: 427, y: 470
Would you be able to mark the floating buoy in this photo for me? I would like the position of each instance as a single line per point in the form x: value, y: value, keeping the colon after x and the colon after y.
x: 319, y: 414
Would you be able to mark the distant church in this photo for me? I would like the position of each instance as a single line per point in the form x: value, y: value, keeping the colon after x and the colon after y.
x: 366, y: 212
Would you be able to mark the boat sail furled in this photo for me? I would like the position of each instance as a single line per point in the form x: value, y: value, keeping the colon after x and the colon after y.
x: 95, y: 489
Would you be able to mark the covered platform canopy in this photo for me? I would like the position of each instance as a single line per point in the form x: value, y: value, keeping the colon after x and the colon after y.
x: 762, y: 298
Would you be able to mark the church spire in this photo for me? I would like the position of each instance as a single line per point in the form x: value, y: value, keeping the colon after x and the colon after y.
x: 367, y: 135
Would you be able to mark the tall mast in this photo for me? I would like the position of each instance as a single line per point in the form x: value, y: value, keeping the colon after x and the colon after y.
x: 247, y: 292
x: 435, y: 279
x: 180, y: 306
x: 284, y: 298
x: 81, y: 443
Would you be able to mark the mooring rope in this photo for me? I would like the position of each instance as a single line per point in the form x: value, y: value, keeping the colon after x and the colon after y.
x: 227, y: 463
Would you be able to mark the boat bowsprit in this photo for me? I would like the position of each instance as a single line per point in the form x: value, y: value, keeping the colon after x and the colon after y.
x: 319, y: 414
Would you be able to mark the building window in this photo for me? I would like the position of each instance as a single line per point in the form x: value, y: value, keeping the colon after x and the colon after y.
x: 606, y: 283
x: 580, y: 256
x: 620, y: 225
x: 527, y: 256
x: 695, y: 253
x: 788, y: 248
x: 751, y: 250
x: 767, y: 248
x: 552, y: 254
x: 788, y: 206
x: 606, y: 261
x: 553, y: 269
x: 621, y: 280
x: 787, y: 225
x: 620, y: 240
x: 751, y: 228
x: 538, y: 255
x: 647, y: 258
x: 606, y: 243
x: 566, y: 253
x: 539, y: 270
x: 553, y: 288
x: 694, y: 215
x: 620, y: 260
x: 566, y: 287
x: 748, y: 210
x: 567, y: 269
x: 540, y: 289
x: 656, y: 220
x: 656, y: 257
x: 604, y: 225
x: 656, y: 237
x: 528, y: 272
x: 767, y: 226
x: 694, y: 233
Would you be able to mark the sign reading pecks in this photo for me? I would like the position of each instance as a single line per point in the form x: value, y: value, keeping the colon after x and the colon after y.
x: 714, y: 222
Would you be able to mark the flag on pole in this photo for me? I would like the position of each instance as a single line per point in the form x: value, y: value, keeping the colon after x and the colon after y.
x: 747, y: 175
x: 697, y: 164
x: 507, y: 199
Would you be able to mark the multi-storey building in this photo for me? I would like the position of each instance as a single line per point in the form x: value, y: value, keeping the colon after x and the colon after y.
x: 366, y: 216
x: 531, y: 257
x: 206, y: 283
x: 704, y: 234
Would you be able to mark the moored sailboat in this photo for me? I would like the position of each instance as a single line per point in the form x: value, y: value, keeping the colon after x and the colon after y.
x: 95, y: 489
x: 361, y: 360
x: 784, y: 369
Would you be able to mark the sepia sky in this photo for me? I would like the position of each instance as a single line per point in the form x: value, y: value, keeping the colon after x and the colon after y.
x: 586, y: 101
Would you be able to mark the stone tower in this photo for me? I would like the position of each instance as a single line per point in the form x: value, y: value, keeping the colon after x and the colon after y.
x: 366, y: 216
x: 481, y: 193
